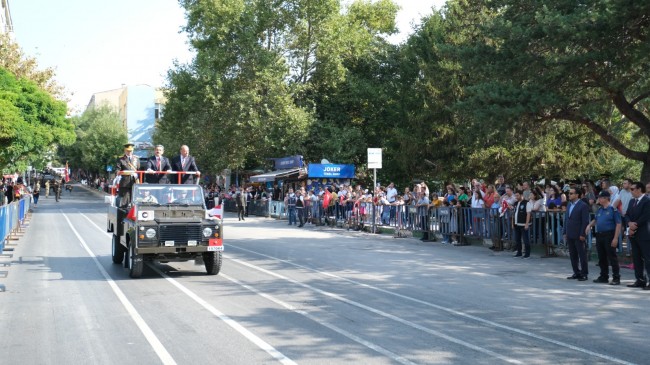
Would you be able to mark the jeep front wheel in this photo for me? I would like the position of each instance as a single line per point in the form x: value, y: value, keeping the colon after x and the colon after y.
x: 118, y: 251
x: 136, y: 264
x: 212, y: 261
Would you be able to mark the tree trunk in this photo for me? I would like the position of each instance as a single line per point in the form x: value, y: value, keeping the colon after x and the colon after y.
x: 645, y: 171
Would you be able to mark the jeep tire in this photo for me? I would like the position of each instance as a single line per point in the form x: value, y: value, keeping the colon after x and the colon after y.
x: 118, y: 251
x: 212, y: 261
x: 136, y: 263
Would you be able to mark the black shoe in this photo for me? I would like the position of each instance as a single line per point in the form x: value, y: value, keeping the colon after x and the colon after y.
x: 574, y: 276
x: 526, y: 257
x: 615, y: 282
x: 517, y: 255
x: 601, y: 280
x: 637, y: 284
x: 583, y: 278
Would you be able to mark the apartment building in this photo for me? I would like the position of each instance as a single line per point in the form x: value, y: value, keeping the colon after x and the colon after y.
x: 6, y: 26
x: 139, y: 107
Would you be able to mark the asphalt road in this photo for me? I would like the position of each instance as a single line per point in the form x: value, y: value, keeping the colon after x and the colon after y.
x: 306, y: 296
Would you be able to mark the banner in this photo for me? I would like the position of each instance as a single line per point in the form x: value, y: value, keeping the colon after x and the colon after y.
x: 332, y: 171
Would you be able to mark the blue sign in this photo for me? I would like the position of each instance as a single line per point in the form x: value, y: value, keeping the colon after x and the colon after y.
x: 109, y: 168
x: 331, y: 171
x: 290, y: 162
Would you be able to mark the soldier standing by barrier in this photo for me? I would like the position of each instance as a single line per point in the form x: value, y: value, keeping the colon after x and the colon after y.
x: 608, y: 228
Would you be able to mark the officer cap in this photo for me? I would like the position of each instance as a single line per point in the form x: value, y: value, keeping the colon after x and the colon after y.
x: 129, y: 146
x: 604, y: 194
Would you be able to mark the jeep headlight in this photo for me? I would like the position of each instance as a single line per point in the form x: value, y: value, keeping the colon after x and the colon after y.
x: 207, y: 232
x: 150, y: 233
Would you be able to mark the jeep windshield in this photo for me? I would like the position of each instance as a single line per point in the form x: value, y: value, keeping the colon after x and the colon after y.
x: 153, y: 194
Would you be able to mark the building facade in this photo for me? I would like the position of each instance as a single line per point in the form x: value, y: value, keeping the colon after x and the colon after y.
x: 139, y: 107
x: 6, y: 26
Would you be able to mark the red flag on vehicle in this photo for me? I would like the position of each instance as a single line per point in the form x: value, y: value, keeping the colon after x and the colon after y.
x: 131, y: 215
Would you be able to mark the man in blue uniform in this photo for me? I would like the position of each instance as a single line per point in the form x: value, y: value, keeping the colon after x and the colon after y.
x: 608, y: 229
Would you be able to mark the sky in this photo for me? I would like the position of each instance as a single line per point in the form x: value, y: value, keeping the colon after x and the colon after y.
x: 98, y: 45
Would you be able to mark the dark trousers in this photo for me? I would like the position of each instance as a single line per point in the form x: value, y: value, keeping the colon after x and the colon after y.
x: 240, y: 212
x: 607, y: 255
x: 640, y: 257
x: 578, y: 254
x: 521, y: 232
x: 301, y: 215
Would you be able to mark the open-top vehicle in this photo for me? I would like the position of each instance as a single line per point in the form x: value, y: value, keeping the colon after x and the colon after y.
x: 164, y: 222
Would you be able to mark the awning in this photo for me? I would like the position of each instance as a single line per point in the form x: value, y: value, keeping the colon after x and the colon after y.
x: 271, y: 176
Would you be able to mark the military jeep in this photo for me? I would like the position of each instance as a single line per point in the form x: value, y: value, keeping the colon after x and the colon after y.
x: 165, y: 223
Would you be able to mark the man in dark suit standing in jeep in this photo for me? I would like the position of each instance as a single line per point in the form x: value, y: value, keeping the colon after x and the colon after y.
x: 184, y: 162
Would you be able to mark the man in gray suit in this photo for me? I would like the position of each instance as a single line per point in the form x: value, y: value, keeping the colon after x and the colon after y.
x: 575, y: 225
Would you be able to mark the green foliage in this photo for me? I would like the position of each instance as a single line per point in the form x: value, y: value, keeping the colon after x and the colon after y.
x: 585, y: 64
x: 547, y: 88
x: 100, y: 139
x: 31, y: 123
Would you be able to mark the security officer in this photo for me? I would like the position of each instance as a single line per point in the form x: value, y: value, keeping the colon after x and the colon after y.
x: 128, y: 162
x: 608, y: 228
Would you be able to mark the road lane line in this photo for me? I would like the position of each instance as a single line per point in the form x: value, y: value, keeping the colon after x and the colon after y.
x: 451, y: 311
x: 332, y: 327
x: 155, y: 343
x: 382, y: 313
x: 229, y: 321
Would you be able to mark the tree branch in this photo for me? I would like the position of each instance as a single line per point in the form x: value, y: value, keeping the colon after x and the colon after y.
x: 639, y: 98
x: 630, y: 112
x: 611, y: 140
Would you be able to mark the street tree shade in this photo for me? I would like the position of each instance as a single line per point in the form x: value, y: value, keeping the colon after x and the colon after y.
x: 32, y: 123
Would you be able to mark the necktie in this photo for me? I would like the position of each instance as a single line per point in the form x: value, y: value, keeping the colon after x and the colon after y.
x: 158, y: 161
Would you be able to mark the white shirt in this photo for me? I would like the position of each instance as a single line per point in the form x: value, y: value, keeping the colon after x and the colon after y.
x: 391, y: 193
x: 477, y: 203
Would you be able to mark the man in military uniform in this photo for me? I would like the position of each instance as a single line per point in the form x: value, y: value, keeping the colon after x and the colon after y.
x: 47, y: 189
x: 57, y: 190
x: 128, y: 162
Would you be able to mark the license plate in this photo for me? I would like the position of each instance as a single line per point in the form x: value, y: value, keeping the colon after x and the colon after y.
x: 191, y: 243
x: 215, y: 248
x: 169, y: 243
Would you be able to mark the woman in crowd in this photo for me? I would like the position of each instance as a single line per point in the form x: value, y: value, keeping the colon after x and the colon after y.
x: 556, y: 197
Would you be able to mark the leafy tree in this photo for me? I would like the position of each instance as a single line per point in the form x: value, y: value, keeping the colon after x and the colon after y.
x: 31, y: 123
x: 13, y: 59
x: 545, y: 65
x: 100, y: 139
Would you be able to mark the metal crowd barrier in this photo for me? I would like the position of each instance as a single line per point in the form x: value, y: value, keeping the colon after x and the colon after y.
x: 12, y: 216
x: 449, y: 223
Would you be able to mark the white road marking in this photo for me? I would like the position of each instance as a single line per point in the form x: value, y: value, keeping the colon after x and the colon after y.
x: 332, y: 327
x: 451, y: 311
x: 229, y: 321
x: 382, y: 313
x: 155, y: 343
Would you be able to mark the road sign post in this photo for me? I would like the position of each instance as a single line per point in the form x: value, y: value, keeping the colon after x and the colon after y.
x: 374, y: 162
